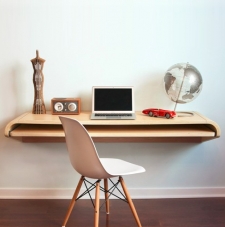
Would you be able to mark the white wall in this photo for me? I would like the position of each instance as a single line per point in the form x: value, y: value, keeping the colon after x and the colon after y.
x: 114, y: 42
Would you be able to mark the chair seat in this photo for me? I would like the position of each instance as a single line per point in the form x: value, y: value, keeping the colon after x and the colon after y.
x: 118, y: 167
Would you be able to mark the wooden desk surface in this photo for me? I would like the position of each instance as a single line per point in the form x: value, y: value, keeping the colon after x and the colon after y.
x: 48, y: 128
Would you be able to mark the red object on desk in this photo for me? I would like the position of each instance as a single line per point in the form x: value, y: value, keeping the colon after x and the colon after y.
x: 154, y: 112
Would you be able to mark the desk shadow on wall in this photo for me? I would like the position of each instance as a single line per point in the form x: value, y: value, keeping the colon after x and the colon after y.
x: 164, y: 162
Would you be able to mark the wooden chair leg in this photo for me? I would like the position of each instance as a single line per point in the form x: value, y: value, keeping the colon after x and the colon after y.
x: 72, y: 203
x: 96, y: 216
x: 130, y: 201
x: 106, y: 195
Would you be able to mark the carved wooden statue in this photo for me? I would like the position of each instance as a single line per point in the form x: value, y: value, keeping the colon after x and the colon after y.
x: 38, y: 80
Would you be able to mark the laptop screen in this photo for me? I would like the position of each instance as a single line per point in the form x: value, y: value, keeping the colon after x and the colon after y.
x: 112, y: 100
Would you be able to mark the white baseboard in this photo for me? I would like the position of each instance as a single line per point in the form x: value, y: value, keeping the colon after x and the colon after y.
x: 146, y: 193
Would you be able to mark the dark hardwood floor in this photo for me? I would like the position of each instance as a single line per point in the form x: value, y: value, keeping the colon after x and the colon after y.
x: 200, y: 212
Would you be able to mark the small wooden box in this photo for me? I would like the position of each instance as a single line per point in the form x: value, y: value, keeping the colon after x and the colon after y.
x: 65, y: 106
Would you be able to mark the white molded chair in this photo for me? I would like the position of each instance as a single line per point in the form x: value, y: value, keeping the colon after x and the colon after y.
x: 85, y: 160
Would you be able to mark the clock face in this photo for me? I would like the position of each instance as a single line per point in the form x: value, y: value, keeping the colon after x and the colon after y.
x: 58, y: 106
x: 72, y: 106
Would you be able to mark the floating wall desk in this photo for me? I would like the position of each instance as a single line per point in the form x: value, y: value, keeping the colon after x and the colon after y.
x: 47, y: 128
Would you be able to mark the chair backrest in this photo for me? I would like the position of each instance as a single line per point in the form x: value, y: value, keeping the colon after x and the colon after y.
x: 82, y: 152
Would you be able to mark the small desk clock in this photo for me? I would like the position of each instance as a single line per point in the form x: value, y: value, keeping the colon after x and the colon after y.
x: 38, y: 81
x: 65, y: 106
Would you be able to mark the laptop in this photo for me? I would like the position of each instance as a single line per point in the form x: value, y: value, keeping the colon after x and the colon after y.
x: 112, y: 103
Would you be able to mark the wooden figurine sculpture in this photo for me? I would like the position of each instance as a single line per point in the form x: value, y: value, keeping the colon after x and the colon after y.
x: 38, y: 80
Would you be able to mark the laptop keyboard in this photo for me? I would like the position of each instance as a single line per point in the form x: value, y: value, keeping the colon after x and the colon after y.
x: 108, y: 116
x: 113, y: 115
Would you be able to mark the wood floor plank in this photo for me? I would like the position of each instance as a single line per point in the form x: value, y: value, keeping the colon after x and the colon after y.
x: 196, y: 212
